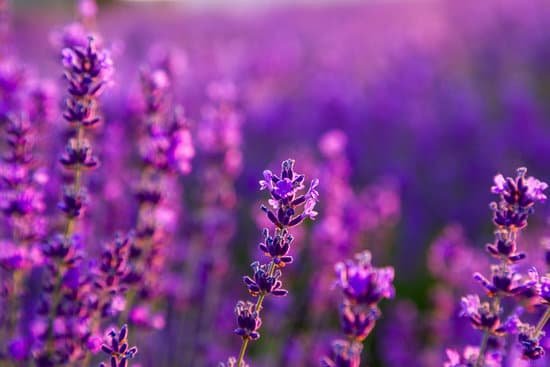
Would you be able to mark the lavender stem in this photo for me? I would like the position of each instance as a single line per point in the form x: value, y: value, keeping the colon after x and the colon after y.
x: 542, y: 322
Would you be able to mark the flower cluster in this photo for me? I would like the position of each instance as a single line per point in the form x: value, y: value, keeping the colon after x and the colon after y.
x: 68, y: 307
x: 21, y: 196
x: 363, y: 286
x: 470, y: 357
x: 286, y: 199
x: 118, y: 348
x: 166, y: 150
x: 517, y: 198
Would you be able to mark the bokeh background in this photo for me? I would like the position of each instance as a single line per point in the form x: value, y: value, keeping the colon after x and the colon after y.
x: 404, y: 109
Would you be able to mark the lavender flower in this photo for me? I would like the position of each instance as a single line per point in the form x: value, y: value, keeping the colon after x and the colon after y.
x: 165, y: 150
x: 344, y: 354
x: 248, y: 320
x: 469, y: 358
x: 265, y: 281
x: 517, y: 197
x: 277, y: 246
x: 286, y: 198
x: 363, y: 286
x: 232, y: 362
x: 362, y: 283
x: 118, y: 348
x: 481, y: 315
x: 68, y: 304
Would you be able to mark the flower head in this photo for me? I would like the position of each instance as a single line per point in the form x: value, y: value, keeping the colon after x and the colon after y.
x: 505, y: 247
x: 286, y: 197
x: 362, y: 283
x: 507, y: 282
x: 248, y: 320
x: 118, y: 348
x: 517, y: 197
x: 358, y: 321
x: 232, y: 362
x: 264, y: 281
x: 469, y: 358
x: 481, y: 315
x: 344, y: 354
x: 277, y: 246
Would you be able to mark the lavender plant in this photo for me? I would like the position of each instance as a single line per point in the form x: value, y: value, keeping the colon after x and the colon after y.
x: 66, y: 305
x: 286, y: 201
x: 517, y: 198
x: 363, y: 286
x: 166, y: 150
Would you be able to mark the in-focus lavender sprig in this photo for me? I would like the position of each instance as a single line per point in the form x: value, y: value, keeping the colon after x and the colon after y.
x: 517, y: 198
x: 291, y: 206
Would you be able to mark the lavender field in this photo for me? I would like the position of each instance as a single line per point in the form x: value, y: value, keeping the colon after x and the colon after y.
x: 334, y: 184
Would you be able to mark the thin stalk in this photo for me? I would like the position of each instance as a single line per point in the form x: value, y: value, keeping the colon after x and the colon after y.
x: 258, y: 308
x: 68, y: 232
x: 481, y: 357
x: 542, y: 322
x: 483, y: 347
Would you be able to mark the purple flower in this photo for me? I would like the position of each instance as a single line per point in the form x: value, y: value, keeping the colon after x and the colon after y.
x: 505, y: 247
x: 264, y: 281
x: 169, y: 146
x: 517, y: 197
x: 344, y: 354
x: 232, y: 362
x: 481, y: 315
x: 277, y: 246
x: 530, y: 345
x: 363, y: 286
x: 362, y: 283
x: 248, y: 320
x: 286, y: 198
x: 469, y: 358
x: 118, y: 348
x: 358, y: 321
x: 506, y: 282
x: 79, y: 154
x: 87, y: 69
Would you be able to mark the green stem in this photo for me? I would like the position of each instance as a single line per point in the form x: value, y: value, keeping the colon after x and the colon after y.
x: 481, y: 357
x: 483, y: 347
x: 258, y: 308
x: 542, y: 322
x: 242, y: 352
x: 67, y: 233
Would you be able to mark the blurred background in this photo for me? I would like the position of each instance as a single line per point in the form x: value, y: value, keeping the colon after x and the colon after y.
x: 405, y: 109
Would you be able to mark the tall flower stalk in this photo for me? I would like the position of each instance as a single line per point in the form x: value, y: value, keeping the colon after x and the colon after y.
x: 517, y: 198
x: 166, y: 150
x: 65, y: 307
x: 288, y: 207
